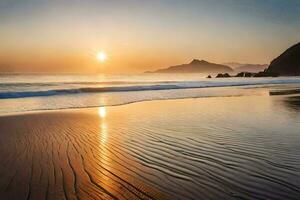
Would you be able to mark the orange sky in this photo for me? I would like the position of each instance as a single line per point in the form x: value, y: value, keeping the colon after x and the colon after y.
x: 56, y: 36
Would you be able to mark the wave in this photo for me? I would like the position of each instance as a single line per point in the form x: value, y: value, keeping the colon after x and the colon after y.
x: 132, y: 88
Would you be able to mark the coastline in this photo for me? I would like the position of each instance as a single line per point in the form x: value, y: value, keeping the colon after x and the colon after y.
x: 125, y: 98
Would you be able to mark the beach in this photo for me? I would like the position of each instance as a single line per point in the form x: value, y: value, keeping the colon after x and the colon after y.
x: 233, y: 147
x: 138, y: 100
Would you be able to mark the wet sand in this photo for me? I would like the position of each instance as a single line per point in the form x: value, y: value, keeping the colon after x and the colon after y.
x: 227, y: 147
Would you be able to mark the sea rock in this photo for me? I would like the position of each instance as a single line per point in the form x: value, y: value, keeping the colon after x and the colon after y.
x: 226, y: 75
x: 245, y: 74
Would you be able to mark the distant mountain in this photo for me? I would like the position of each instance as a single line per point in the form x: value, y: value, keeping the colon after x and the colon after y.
x: 196, y: 66
x: 240, y: 67
x: 288, y: 63
x: 251, y: 68
x: 232, y: 64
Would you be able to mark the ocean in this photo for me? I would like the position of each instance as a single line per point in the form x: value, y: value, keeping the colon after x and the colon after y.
x: 20, y: 93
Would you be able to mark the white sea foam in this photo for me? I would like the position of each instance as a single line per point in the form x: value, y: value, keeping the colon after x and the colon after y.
x: 23, y: 93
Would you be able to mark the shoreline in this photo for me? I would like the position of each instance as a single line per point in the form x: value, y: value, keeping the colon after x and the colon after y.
x: 266, y: 87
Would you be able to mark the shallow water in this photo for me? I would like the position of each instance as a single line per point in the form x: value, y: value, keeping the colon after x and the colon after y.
x: 19, y: 93
x: 243, y: 147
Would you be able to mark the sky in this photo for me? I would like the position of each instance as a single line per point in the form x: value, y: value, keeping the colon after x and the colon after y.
x: 140, y: 35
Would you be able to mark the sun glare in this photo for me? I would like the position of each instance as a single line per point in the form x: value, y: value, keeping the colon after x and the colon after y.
x: 101, y: 56
x: 102, y: 112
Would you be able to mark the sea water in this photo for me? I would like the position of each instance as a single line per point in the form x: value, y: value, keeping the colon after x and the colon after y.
x: 19, y: 93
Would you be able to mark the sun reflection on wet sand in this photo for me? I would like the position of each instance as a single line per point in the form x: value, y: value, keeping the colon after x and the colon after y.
x: 104, y: 154
x: 103, y: 132
x: 102, y: 112
x: 102, y: 126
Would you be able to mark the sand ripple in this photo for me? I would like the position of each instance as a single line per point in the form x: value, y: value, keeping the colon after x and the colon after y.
x: 182, y: 149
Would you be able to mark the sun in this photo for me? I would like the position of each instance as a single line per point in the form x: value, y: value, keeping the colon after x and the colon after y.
x: 101, y: 56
